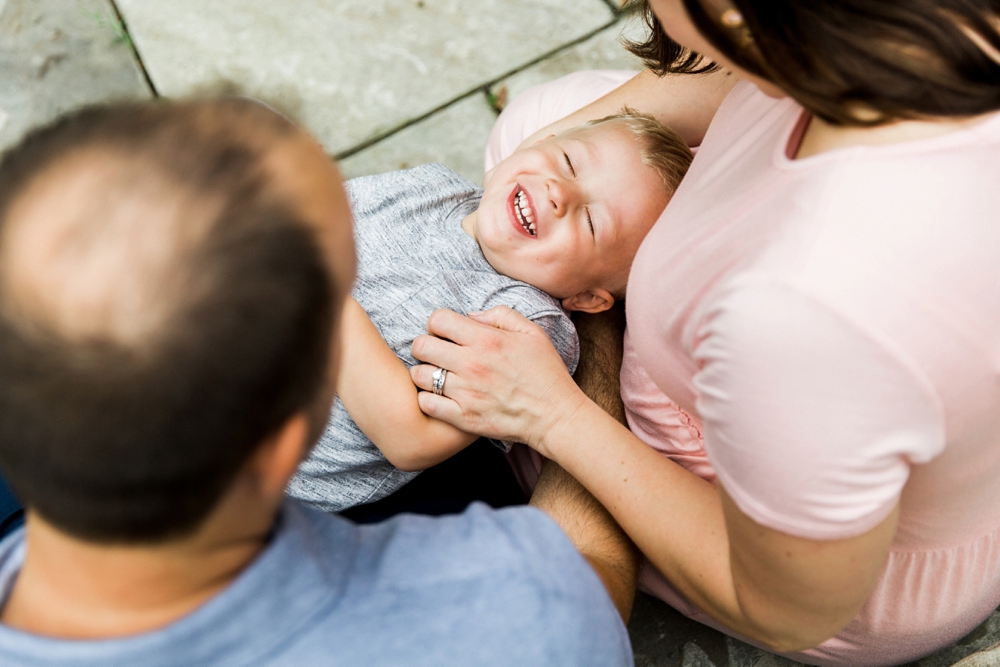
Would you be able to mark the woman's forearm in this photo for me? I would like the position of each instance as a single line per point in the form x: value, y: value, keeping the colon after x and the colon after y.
x: 685, y: 102
x: 787, y: 593
x: 673, y: 516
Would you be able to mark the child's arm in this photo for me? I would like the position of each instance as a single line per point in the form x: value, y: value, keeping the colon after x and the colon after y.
x: 378, y: 393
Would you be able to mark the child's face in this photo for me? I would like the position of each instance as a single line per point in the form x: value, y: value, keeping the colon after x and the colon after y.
x: 567, y: 215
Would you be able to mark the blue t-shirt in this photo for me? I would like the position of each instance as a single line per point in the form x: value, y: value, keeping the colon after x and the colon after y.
x: 484, y: 588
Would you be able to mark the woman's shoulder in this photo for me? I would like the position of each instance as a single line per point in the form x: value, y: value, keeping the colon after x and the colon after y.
x: 746, y: 113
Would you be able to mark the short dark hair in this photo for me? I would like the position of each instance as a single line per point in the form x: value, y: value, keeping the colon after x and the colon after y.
x: 866, y: 62
x: 117, y: 440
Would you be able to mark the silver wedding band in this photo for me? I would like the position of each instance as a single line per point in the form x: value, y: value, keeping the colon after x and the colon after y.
x: 439, y: 377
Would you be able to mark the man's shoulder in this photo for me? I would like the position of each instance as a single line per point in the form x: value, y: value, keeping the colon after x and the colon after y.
x: 481, y: 588
x: 413, y: 551
x: 475, y: 588
x: 480, y: 542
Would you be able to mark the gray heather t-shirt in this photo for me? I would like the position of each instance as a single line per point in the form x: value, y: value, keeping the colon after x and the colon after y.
x: 477, y: 589
x: 413, y: 258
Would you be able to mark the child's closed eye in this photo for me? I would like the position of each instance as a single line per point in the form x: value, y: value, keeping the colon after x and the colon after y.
x: 569, y: 164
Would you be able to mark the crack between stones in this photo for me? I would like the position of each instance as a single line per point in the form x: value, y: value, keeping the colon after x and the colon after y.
x: 135, y: 49
x: 481, y: 89
x: 617, y: 6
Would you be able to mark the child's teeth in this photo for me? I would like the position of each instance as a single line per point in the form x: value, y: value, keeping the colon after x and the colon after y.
x: 527, y: 219
x: 525, y: 209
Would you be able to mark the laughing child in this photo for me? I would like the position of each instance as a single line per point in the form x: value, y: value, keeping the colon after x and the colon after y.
x: 554, y: 230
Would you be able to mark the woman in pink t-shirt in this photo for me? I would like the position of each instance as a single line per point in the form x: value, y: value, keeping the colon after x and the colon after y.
x: 812, y: 363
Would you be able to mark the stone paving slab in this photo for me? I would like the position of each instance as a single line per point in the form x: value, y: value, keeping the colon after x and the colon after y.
x: 989, y: 657
x: 351, y: 71
x: 56, y: 55
x: 979, y: 640
x: 455, y: 137
x: 662, y: 637
x: 602, y: 51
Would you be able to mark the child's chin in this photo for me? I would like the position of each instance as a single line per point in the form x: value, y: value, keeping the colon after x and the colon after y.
x: 496, y: 224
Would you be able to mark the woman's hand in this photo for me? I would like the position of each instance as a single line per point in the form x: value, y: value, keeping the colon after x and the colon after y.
x: 505, y: 379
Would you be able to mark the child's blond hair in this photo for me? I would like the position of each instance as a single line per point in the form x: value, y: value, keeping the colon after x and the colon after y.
x: 662, y: 148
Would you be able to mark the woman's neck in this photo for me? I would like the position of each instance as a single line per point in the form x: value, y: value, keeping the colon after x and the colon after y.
x: 821, y: 137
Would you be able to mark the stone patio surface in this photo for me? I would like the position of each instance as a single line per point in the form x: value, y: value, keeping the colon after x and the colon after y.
x: 384, y: 84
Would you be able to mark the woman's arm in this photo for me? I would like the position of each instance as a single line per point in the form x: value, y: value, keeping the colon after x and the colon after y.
x: 376, y: 389
x: 786, y: 592
x: 685, y: 102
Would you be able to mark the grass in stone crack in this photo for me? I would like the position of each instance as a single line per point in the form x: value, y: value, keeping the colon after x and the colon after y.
x: 111, y: 23
x: 497, y: 99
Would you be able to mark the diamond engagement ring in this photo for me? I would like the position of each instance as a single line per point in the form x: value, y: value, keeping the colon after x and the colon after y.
x: 439, y: 378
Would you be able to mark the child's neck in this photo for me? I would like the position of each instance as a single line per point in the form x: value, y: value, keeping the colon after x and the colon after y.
x: 469, y: 227
x: 469, y: 224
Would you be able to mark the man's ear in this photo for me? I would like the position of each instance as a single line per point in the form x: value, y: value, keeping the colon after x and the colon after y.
x: 277, y: 459
x: 595, y: 300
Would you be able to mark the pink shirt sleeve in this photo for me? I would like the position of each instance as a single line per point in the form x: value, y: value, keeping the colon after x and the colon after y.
x: 658, y: 421
x: 544, y: 104
x: 811, y: 421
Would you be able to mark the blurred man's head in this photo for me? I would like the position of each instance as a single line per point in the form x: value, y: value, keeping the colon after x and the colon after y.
x: 170, y: 279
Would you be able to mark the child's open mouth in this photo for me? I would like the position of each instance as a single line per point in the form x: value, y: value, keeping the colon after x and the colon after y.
x: 523, y: 212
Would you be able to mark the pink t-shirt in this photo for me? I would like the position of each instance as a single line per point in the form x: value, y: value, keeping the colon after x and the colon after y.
x: 831, y: 326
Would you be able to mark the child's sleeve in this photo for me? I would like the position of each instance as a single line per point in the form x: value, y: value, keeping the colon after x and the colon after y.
x: 549, y: 316
x: 544, y: 311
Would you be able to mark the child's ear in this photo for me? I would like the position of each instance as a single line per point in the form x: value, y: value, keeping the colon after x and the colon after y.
x: 595, y: 300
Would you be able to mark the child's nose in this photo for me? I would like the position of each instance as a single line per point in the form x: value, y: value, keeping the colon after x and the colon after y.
x: 561, y: 195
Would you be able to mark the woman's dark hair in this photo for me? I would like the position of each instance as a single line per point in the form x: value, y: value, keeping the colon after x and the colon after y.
x: 661, y: 54
x: 867, y: 62
x: 135, y: 440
